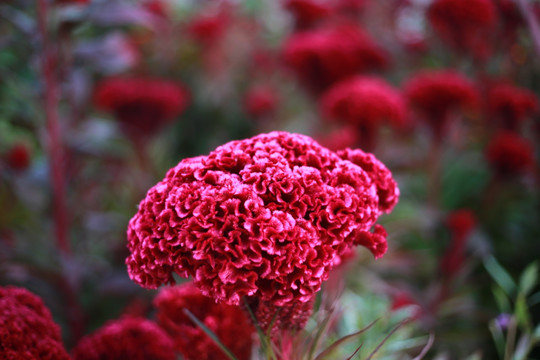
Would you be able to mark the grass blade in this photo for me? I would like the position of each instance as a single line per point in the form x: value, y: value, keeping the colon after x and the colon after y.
x: 338, y: 342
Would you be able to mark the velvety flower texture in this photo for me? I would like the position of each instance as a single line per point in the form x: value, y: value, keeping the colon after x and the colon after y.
x: 509, y: 154
x: 27, y: 330
x: 141, y: 104
x: 265, y: 218
x: 436, y: 94
x: 465, y: 25
x: 127, y: 338
x: 324, y: 56
x: 511, y: 104
x: 228, y: 322
x: 366, y: 103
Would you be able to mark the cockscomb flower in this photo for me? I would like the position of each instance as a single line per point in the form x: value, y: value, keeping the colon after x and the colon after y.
x: 366, y: 103
x: 127, y: 338
x: 142, y: 105
x: 18, y: 156
x: 324, y: 56
x: 260, y: 101
x: 509, y: 154
x: 306, y: 13
x: 27, y: 330
x: 338, y: 139
x: 465, y: 25
x: 511, y: 104
x: 230, y: 324
x: 436, y: 94
x: 460, y: 223
x: 264, y: 218
x: 208, y: 27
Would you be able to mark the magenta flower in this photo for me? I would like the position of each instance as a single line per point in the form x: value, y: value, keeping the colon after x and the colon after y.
x: 127, y: 338
x: 324, y: 56
x: 27, y: 330
x: 231, y: 325
x: 365, y: 103
x: 264, y: 218
x: 509, y: 154
x: 437, y: 94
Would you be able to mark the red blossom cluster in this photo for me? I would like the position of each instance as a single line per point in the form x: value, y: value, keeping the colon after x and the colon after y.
x: 306, y: 13
x: 465, y: 25
x: 208, y: 28
x: 509, y: 154
x: 142, y: 105
x: 321, y: 57
x: 511, y: 104
x: 230, y: 324
x: 265, y: 218
x: 127, y: 338
x: 436, y: 94
x: 18, y: 156
x: 460, y: 223
x: 27, y: 330
x: 365, y: 103
x: 260, y: 101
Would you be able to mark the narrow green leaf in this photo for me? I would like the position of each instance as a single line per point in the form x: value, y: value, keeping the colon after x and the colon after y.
x: 522, y: 312
x: 500, y: 275
x: 210, y: 333
x: 400, y: 324
x: 498, y: 338
x: 320, y: 330
x: 266, y: 346
x: 528, y: 278
x: 536, y: 333
x: 534, y: 299
x: 338, y: 342
x: 502, y: 300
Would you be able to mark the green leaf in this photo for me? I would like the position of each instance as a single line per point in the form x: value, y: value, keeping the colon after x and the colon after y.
x: 210, y: 333
x: 400, y: 324
x: 522, y: 312
x: 338, y: 342
x: 500, y: 275
x: 502, y: 300
x: 528, y: 278
x: 534, y: 299
x: 536, y: 333
x: 498, y: 338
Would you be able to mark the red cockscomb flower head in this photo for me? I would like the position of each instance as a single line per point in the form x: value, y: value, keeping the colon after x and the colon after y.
x: 66, y: 2
x: 27, y: 330
x: 324, y: 56
x: 465, y: 25
x: 208, y: 28
x: 460, y: 223
x: 127, y: 338
x: 260, y: 101
x: 230, y: 324
x: 18, y: 156
x: 339, y: 139
x: 509, y: 154
x: 511, y: 104
x: 307, y: 13
x: 436, y: 94
x: 366, y: 103
x: 260, y: 218
x: 141, y: 104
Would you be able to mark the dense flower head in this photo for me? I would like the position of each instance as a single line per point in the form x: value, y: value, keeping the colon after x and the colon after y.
x: 141, y: 104
x: 127, y: 338
x: 18, y: 156
x: 260, y: 101
x: 265, y: 217
x: 230, y: 324
x: 365, y: 102
x: 465, y: 25
x: 339, y: 139
x: 324, y: 56
x: 27, y: 330
x: 208, y: 27
x: 435, y: 94
x: 511, y: 104
x: 509, y: 154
